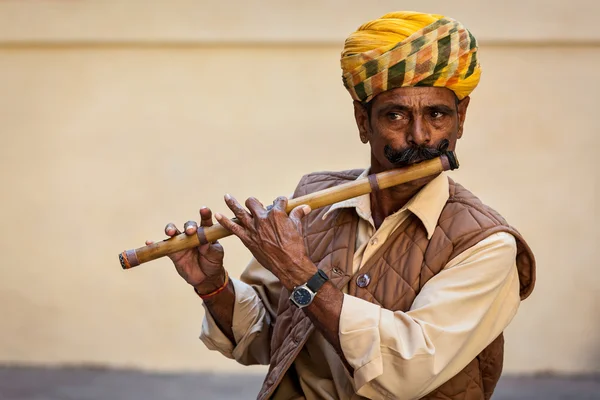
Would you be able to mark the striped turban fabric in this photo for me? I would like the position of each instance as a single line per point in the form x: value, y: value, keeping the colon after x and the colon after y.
x: 404, y: 49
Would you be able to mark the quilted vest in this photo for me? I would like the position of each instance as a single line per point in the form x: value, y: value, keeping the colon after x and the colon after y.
x: 398, y: 271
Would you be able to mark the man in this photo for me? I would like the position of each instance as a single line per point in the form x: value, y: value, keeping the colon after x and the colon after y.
x: 403, y: 293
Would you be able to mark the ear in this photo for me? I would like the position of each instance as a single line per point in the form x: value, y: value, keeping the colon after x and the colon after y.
x: 462, y: 114
x: 361, y: 116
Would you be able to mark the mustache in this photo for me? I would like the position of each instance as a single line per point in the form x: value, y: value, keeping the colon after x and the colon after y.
x: 414, y: 154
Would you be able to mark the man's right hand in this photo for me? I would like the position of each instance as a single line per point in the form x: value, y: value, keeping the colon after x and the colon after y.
x: 202, y: 266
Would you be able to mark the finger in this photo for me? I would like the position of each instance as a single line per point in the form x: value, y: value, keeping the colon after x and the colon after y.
x: 206, y: 217
x: 298, y: 213
x: 190, y: 228
x: 231, y: 226
x: 280, y: 203
x: 171, y: 230
x: 256, y: 208
x: 242, y: 215
x: 149, y: 242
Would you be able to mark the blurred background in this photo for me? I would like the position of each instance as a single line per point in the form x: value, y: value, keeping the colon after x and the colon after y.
x: 120, y: 116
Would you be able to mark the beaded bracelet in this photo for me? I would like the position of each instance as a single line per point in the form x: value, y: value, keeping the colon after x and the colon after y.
x: 219, y: 290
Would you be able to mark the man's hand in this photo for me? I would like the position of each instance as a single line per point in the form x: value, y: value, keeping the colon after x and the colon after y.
x: 274, y: 238
x: 202, y: 266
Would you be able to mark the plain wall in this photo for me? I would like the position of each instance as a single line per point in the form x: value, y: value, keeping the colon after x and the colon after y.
x: 104, y: 142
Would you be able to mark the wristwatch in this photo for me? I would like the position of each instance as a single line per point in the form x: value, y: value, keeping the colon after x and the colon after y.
x: 304, y: 294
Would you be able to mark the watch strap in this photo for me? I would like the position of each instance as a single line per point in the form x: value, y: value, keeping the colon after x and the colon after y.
x: 317, y: 280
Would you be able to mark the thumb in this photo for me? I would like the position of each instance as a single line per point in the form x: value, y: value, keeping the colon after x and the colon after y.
x: 297, y: 214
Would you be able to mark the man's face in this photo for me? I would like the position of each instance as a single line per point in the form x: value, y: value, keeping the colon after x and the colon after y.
x: 407, y: 125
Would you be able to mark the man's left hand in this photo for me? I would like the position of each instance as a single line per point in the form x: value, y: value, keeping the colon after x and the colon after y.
x: 274, y: 238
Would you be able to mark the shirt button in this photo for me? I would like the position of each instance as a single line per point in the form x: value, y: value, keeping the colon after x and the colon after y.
x: 363, y: 280
x: 374, y: 241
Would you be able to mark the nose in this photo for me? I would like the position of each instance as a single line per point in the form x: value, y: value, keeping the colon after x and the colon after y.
x: 418, y: 133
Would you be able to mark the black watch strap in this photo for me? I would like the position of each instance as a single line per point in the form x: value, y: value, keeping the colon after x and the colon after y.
x: 317, y: 280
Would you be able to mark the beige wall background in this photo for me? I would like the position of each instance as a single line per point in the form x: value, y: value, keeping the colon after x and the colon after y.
x: 118, y: 117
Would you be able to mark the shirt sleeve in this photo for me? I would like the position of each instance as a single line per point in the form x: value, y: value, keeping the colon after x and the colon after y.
x: 254, y: 311
x: 456, y: 315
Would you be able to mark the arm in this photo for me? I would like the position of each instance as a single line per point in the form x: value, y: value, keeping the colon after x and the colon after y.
x: 455, y: 316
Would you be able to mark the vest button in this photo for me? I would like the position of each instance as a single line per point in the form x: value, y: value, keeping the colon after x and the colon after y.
x: 363, y: 280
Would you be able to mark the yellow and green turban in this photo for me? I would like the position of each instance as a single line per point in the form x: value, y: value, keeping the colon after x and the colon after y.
x: 408, y: 48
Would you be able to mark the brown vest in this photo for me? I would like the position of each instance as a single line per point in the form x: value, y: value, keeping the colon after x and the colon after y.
x: 398, y: 271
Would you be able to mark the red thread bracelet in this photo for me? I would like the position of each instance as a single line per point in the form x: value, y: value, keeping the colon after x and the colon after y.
x: 216, y: 292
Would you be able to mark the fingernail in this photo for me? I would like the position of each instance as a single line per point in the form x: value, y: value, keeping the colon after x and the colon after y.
x: 203, y: 207
x: 227, y: 196
x: 217, y: 216
x: 306, y: 209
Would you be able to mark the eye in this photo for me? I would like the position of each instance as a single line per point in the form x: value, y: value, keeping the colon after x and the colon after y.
x: 395, y: 116
x: 437, y: 114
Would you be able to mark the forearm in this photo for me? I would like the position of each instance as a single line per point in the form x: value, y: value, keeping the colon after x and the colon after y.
x: 237, y: 324
x: 221, y: 307
x: 325, y: 312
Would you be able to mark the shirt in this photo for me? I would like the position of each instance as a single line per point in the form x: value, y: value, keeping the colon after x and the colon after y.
x: 404, y: 355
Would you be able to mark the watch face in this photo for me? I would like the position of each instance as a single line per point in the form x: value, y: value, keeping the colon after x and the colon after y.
x: 302, y: 296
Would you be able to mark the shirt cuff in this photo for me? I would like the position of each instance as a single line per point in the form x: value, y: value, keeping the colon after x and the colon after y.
x: 248, y: 319
x: 360, y: 339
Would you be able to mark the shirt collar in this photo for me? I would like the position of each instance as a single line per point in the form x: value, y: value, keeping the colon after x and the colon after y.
x: 427, y: 204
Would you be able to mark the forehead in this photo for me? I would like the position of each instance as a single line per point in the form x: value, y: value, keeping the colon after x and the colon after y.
x: 415, y: 96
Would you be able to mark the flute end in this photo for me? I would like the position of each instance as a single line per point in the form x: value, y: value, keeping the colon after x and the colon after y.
x: 449, y: 161
x: 123, y: 261
x: 128, y: 259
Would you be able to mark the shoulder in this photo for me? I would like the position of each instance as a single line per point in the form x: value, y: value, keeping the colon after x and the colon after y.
x: 466, y: 221
x: 462, y: 198
x: 464, y: 213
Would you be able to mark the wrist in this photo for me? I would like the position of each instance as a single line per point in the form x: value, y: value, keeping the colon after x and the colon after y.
x: 301, y: 274
x: 214, y: 294
x: 211, y: 283
x: 303, y: 295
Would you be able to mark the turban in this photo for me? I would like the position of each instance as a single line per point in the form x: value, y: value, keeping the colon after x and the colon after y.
x: 410, y: 49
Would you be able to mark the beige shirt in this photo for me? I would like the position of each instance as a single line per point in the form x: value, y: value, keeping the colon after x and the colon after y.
x: 402, y: 355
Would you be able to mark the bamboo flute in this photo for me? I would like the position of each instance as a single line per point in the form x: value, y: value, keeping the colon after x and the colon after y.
x: 322, y: 198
